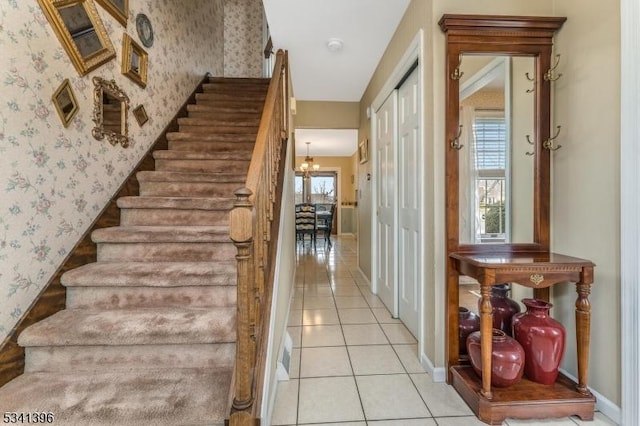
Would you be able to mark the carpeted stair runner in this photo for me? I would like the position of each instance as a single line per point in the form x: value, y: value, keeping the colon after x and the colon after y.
x: 148, y: 333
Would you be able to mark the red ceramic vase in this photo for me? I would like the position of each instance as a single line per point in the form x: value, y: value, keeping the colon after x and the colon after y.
x: 507, y: 358
x: 543, y: 340
x: 503, y: 308
x: 468, y: 322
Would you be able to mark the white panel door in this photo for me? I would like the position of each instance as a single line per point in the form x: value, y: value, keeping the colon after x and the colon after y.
x: 386, y: 118
x: 409, y: 196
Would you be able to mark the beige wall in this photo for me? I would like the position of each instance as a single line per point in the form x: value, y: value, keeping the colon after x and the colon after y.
x: 327, y: 115
x: 586, y: 184
x: 585, y: 171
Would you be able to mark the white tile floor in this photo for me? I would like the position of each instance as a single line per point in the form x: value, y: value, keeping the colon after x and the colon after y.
x: 352, y: 364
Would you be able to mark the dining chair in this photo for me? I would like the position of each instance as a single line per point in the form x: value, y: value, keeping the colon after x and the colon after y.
x: 306, y: 222
x: 325, y: 213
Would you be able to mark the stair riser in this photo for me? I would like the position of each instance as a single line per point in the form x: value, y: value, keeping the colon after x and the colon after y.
x: 169, y: 216
x: 212, y: 137
x: 211, y: 146
x: 177, y: 189
x: 107, y: 358
x: 151, y: 297
x: 225, y: 119
x: 243, y: 130
x: 165, y: 252
x: 233, y: 88
x: 255, y: 98
x: 204, y: 119
x: 203, y: 166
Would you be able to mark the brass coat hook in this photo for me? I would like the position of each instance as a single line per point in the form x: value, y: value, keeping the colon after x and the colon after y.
x: 549, y: 75
x: 533, y: 89
x: 455, y: 142
x: 457, y: 74
x: 530, y: 143
x: 549, y: 144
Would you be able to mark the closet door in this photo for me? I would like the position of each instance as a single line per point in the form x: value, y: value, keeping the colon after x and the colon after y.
x: 386, y: 130
x: 409, y: 190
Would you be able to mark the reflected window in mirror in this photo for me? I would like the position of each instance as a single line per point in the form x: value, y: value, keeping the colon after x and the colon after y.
x: 495, y: 174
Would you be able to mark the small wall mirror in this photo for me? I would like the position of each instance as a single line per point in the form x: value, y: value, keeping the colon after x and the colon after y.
x: 496, y: 161
x: 110, y: 111
x: 81, y: 32
x: 65, y: 102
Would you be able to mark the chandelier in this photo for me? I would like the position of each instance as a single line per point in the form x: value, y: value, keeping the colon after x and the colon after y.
x: 308, y: 166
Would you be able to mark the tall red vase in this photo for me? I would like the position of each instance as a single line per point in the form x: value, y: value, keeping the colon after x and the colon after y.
x: 503, y: 308
x: 543, y: 341
x: 468, y: 322
x: 507, y: 358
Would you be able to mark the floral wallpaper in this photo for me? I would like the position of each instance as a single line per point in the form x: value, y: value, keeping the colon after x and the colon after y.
x: 243, y: 40
x: 54, y: 181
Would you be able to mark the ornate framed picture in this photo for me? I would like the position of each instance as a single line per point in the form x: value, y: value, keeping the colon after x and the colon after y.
x: 145, y: 30
x: 140, y: 114
x: 363, y: 151
x: 65, y: 102
x: 134, y: 61
x: 80, y: 31
x: 119, y: 9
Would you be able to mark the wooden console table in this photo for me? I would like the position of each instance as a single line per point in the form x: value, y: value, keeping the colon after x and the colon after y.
x: 526, y: 399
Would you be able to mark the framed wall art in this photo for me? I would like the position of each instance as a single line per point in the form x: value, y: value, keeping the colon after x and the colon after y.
x: 119, y: 9
x: 65, y: 102
x: 145, y: 30
x: 140, y: 114
x: 363, y: 151
x: 134, y: 61
x: 81, y: 32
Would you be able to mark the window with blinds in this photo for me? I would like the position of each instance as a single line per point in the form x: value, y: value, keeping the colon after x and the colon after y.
x: 490, y: 149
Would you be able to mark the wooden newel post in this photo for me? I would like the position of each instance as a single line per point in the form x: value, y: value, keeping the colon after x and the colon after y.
x: 241, y: 233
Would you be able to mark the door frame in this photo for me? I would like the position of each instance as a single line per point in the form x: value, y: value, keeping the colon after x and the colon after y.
x: 629, y: 211
x: 413, y: 53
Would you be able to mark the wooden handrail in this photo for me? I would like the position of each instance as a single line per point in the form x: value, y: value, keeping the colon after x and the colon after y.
x: 254, y: 226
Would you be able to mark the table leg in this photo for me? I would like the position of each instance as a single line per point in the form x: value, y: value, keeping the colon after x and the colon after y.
x: 583, y: 328
x: 486, y: 337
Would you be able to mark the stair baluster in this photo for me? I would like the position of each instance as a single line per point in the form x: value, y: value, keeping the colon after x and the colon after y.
x: 254, y: 222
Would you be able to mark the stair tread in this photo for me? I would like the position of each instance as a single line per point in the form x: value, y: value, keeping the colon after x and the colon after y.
x: 242, y: 80
x: 135, y: 397
x: 133, y: 326
x: 160, y: 234
x: 200, y: 155
x: 215, y: 137
x: 162, y: 176
x: 150, y: 274
x: 178, y: 203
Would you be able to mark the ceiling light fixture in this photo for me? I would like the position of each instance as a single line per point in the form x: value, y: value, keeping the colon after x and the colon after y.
x: 308, y: 166
x: 335, y: 44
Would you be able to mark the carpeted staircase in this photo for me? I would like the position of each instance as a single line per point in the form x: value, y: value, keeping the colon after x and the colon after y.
x: 147, y: 336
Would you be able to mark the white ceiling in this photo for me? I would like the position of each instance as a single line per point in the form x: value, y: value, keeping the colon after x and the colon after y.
x: 303, y: 27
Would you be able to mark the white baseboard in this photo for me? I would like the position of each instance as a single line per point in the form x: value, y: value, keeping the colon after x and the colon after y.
x: 604, y: 405
x: 438, y: 374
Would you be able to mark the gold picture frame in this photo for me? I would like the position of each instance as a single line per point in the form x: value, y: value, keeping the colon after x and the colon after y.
x: 110, y: 112
x: 65, y: 102
x: 363, y: 151
x: 134, y: 61
x: 80, y: 31
x: 140, y: 114
x: 119, y: 9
